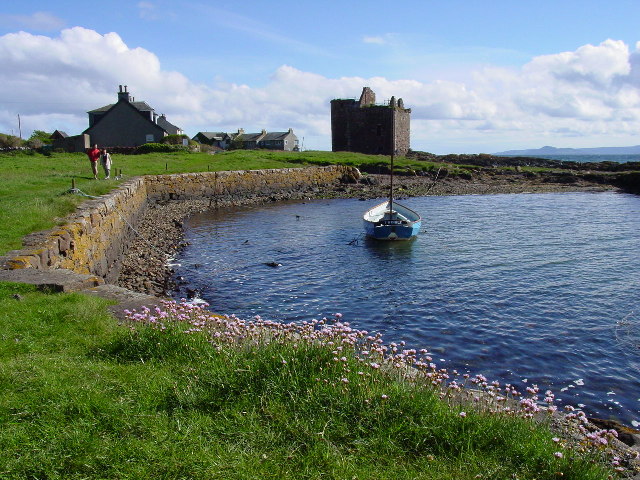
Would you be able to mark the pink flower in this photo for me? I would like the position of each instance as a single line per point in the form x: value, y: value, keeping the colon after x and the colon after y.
x: 463, y: 414
x: 558, y: 454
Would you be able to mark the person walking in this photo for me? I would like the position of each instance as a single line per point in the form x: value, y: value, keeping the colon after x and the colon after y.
x: 105, y: 159
x: 94, y: 155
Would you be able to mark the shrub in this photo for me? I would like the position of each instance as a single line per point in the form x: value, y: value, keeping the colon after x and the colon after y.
x: 175, y: 139
x: 9, y: 141
x: 160, y: 148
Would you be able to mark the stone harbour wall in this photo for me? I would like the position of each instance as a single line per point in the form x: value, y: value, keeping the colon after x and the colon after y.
x: 229, y: 184
x: 95, y: 237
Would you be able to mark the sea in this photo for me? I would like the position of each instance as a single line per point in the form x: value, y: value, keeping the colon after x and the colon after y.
x: 591, y: 158
x: 539, y: 288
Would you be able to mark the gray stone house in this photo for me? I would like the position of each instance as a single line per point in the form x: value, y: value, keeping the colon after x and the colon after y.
x: 220, y: 140
x: 127, y: 123
x: 287, y: 141
x: 250, y: 141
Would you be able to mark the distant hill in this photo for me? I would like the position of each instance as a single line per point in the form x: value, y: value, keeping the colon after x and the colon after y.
x: 635, y: 150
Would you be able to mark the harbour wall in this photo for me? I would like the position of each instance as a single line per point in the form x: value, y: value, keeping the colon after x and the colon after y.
x: 94, y: 238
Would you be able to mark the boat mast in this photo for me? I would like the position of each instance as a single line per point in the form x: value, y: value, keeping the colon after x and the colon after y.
x: 393, y: 150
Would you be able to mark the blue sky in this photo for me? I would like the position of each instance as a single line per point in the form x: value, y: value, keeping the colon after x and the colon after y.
x: 479, y: 76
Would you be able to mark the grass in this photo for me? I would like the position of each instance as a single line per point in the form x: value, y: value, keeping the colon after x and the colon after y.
x: 33, y: 193
x: 81, y: 397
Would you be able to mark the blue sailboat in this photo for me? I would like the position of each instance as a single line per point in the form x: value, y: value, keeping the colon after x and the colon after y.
x: 391, y: 220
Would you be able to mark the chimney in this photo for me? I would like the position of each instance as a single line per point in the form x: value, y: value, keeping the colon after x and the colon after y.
x: 124, y: 95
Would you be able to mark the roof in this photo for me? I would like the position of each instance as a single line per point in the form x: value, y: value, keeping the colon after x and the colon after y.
x: 213, y: 135
x: 276, y: 135
x: 250, y: 137
x: 166, y: 124
x: 142, y: 106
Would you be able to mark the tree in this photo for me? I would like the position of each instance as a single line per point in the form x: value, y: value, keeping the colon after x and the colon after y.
x: 39, y: 138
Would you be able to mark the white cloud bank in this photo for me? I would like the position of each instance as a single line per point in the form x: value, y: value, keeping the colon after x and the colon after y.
x: 587, y: 97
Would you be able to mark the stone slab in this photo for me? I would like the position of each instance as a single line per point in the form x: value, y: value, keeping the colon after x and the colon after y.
x: 57, y: 280
x: 127, y: 299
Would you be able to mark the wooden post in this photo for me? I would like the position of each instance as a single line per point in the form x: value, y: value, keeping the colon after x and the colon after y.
x: 73, y: 184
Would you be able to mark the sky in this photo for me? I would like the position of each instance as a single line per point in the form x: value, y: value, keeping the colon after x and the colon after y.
x: 479, y: 76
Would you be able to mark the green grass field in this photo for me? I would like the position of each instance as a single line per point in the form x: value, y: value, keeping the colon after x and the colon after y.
x: 83, y: 397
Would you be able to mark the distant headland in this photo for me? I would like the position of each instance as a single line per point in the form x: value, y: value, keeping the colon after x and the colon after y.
x: 633, y: 150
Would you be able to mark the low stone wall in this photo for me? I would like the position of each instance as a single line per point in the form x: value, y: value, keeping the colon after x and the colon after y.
x: 94, y: 238
x: 238, y: 184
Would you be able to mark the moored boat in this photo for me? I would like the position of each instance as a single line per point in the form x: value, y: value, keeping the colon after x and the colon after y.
x: 391, y: 221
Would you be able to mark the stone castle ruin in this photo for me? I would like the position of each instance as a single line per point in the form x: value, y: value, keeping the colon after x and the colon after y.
x: 362, y: 126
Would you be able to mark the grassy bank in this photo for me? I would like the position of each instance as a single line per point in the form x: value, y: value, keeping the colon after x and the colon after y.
x: 33, y: 190
x: 212, y: 398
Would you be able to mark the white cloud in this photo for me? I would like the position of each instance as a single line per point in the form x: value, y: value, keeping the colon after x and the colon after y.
x: 591, y: 93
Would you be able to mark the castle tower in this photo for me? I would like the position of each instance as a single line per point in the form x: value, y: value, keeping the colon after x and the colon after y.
x: 362, y: 126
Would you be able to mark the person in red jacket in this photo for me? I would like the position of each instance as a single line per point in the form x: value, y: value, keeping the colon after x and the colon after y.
x: 94, y: 156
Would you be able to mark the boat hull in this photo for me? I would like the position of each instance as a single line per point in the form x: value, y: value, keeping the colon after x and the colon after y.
x: 401, y: 223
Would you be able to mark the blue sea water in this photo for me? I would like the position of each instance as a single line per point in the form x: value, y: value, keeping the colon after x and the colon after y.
x: 542, y: 288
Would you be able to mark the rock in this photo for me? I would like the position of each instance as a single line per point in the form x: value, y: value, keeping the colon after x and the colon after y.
x: 627, y: 435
